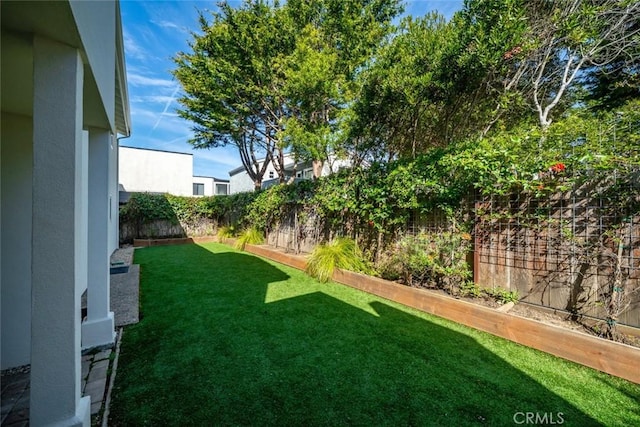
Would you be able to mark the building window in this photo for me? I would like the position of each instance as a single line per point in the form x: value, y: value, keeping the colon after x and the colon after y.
x: 308, y: 173
x: 298, y: 174
x: 198, y: 189
x: 222, y: 189
x: 271, y: 175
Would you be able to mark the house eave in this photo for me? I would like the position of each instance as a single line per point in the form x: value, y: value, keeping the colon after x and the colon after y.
x: 123, y: 114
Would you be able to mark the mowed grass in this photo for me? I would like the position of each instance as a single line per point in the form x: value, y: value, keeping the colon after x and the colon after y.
x: 227, y: 338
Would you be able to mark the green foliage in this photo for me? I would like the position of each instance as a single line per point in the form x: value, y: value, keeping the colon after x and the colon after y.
x: 434, y: 259
x: 269, y: 76
x: 470, y: 289
x: 250, y: 236
x: 503, y: 296
x: 143, y: 208
x: 340, y: 253
x: 269, y: 205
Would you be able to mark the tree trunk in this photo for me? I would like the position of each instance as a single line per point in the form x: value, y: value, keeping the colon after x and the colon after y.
x: 317, y: 168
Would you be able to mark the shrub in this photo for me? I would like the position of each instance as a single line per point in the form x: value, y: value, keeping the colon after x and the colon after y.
x: 503, y: 296
x: 340, y: 253
x: 251, y: 236
x: 432, y: 259
x: 470, y: 289
x: 143, y: 208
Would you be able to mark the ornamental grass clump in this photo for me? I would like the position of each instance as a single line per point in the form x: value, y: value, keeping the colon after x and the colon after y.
x: 251, y: 236
x: 226, y: 232
x: 340, y: 253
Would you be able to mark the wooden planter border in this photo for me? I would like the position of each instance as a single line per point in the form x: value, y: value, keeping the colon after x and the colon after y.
x: 142, y: 243
x: 614, y: 358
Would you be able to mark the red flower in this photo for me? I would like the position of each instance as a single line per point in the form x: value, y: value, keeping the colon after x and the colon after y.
x: 371, y: 224
x: 513, y: 52
x: 558, y: 167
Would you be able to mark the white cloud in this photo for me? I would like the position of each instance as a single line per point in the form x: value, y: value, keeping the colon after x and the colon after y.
x: 153, y: 99
x: 169, y: 124
x: 132, y: 48
x: 139, y: 80
x: 171, y: 26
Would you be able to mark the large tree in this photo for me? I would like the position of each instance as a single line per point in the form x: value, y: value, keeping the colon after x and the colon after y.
x: 336, y: 40
x: 563, y: 43
x: 270, y: 78
x: 232, y: 86
x: 399, y: 104
x: 438, y: 82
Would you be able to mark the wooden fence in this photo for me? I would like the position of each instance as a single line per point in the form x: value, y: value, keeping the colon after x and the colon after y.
x: 561, y: 250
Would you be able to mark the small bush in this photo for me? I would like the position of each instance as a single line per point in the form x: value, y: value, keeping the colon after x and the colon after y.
x: 251, y: 236
x: 503, y: 296
x: 434, y: 259
x: 470, y: 289
x: 340, y: 253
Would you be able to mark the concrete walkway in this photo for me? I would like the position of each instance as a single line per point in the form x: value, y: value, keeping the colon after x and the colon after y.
x: 97, y: 364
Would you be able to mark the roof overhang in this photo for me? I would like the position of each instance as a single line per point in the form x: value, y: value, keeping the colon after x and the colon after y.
x: 77, y: 24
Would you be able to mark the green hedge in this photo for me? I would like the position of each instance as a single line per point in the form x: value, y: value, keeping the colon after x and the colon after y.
x: 143, y: 208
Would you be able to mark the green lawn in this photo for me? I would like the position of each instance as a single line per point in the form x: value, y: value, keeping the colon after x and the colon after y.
x: 227, y: 338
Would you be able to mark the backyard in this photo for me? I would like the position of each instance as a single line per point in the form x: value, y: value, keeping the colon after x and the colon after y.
x: 227, y: 338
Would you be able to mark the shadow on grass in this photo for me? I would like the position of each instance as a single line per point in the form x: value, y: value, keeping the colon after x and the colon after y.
x: 210, y: 351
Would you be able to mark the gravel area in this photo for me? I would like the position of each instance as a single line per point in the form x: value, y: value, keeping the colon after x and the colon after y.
x: 125, y: 297
x: 123, y: 255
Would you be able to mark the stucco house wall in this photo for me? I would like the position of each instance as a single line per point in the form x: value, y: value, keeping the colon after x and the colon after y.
x: 241, y: 182
x: 64, y: 102
x: 212, y: 186
x: 206, y: 182
x: 155, y: 171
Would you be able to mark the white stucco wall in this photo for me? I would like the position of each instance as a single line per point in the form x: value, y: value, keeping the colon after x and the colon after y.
x: 17, y: 158
x: 143, y: 170
x: 114, y: 237
x: 240, y: 182
x: 335, y: 166
x: 207, y: 182
x: 58, y: 81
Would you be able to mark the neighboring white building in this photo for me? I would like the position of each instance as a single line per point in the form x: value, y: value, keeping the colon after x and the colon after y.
x: 155, y: 171
x: 144, y: 170
x: 64, y: 101
x: 241, y: 182
x: 210, y: 186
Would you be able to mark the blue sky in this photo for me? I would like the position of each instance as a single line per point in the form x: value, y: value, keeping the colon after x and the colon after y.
x: 154, y: 31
